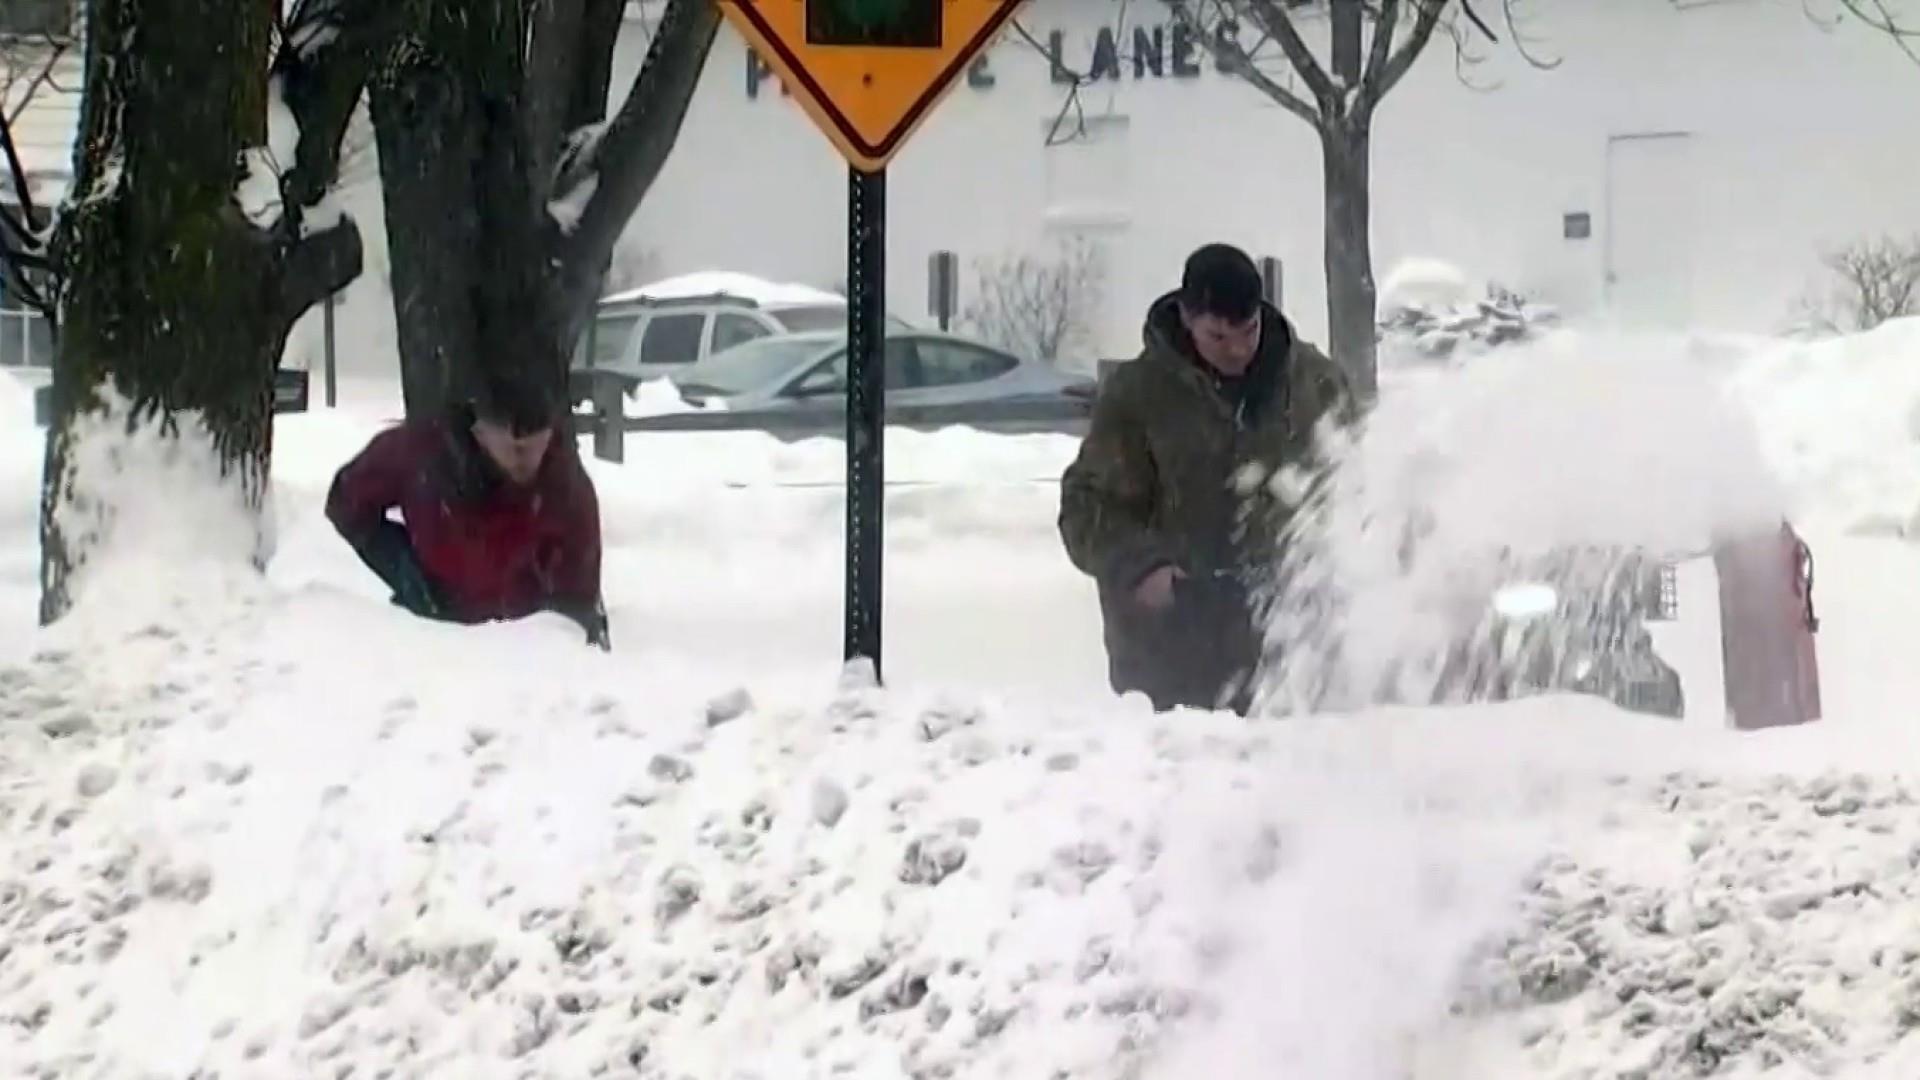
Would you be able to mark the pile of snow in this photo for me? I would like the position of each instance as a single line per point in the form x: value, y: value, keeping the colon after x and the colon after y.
x: 662, y: 397
x: 729, y: 283
x: 1842, y: 421
x: 1424, y: 283
x: 496, y: 854
x: 1723, y: 928
x: 16, y: 401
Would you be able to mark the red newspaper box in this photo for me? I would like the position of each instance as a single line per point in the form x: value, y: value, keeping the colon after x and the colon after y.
x: 1767, y: 628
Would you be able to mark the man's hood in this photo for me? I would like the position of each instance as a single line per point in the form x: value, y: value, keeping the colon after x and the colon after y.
x: 1167, y: 341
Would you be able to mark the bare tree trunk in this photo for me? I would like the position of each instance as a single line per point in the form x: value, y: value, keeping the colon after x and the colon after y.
x: 490, y: 116
x: 1351, y: 294
x: 428, y: 139
x: 175, y: 300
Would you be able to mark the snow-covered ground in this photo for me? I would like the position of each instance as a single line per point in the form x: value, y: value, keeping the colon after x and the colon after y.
x: 274, y: 828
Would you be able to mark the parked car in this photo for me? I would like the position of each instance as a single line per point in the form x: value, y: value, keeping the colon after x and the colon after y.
x: 808, y: 372
x: 650, y: 332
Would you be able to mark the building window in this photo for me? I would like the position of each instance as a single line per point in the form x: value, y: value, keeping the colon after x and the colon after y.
x: 53, y: 18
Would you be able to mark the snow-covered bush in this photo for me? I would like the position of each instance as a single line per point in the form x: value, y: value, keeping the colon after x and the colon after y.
x: 1422, y: 331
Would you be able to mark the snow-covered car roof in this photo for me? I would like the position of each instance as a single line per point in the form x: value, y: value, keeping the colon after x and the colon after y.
x: 729, y: 284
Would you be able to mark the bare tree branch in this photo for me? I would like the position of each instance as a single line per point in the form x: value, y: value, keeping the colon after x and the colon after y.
x: 318, y: 266
x: 1384, y: 25
x: 31, y: 60
x: 329, y: 50
x: 1238, y: 58
x: 1278, y: 22
x: 1071, y: 106
x: 1381, y: 81
x: 554, y: 47
x: 593, y: 75
x: 1877, y: 15
x: 627, y: 159
x: 1521, y: 42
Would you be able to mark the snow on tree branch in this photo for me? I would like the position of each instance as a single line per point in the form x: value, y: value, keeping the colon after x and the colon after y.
x: 629, y: 155
x: 328, y: 51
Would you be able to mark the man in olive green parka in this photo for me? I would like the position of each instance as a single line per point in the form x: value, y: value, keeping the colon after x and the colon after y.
x: 1169, y: 505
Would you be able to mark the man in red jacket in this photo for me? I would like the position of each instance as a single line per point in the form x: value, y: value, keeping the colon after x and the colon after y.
x: 498, y: 519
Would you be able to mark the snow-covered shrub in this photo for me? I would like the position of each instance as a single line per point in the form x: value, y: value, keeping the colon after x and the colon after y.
x: 1421, y: 331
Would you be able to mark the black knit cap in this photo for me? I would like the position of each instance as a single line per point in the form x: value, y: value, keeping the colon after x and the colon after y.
x: 516, y: 400
x: 1220, y: 280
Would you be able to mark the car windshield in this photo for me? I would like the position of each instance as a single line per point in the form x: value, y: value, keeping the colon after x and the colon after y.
x: 749, y: 366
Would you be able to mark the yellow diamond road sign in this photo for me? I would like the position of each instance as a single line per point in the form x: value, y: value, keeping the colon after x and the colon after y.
x: 868, y: 71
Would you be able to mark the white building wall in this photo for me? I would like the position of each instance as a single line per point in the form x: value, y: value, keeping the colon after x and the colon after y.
x: 1800, y: 137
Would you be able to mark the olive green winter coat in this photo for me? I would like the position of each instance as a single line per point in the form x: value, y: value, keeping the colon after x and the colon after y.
x: 1174, y: 470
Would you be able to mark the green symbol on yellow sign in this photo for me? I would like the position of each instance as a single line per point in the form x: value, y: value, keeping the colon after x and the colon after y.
x: 874, y: 24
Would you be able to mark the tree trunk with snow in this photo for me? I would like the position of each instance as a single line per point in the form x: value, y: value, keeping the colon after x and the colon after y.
x: 1351, y: 295
x: 505, y: 191
x: 183, y: 255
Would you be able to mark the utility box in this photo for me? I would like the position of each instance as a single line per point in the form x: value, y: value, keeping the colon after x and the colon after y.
x: 943, y: 287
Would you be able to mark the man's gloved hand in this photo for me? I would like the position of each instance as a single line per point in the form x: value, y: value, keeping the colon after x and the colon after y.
x: 592, y: 618
x: 388, y: 552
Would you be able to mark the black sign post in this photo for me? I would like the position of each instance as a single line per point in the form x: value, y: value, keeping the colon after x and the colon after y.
x: 866, y: 408
x: 867, y: 72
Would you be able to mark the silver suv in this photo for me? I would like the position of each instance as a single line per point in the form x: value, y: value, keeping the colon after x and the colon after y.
x: 641, y: 337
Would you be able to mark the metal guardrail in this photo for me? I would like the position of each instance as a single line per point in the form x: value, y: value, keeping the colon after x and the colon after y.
x: 606, y: 418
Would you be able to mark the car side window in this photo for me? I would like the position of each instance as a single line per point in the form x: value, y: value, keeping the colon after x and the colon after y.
x: 902, y: 372
x: 829, y: 376
x: 610, y: 336
x: 954, y: 363
x: 672, y: 339
x: 730, y: 330
x: 903, y: 365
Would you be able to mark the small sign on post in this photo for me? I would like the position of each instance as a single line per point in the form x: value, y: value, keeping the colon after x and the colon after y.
x: 1272, y: 281
x: 867, y: 72
x: 943, y: 287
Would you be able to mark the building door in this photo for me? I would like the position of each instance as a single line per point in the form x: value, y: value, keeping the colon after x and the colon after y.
x: 1653, y: 215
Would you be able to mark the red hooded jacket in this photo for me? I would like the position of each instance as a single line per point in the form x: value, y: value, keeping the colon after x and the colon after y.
x: 492, y: 550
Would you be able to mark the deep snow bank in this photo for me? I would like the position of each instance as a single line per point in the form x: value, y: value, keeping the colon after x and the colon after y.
x: 1841, y: 420
x: 279, y: 835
